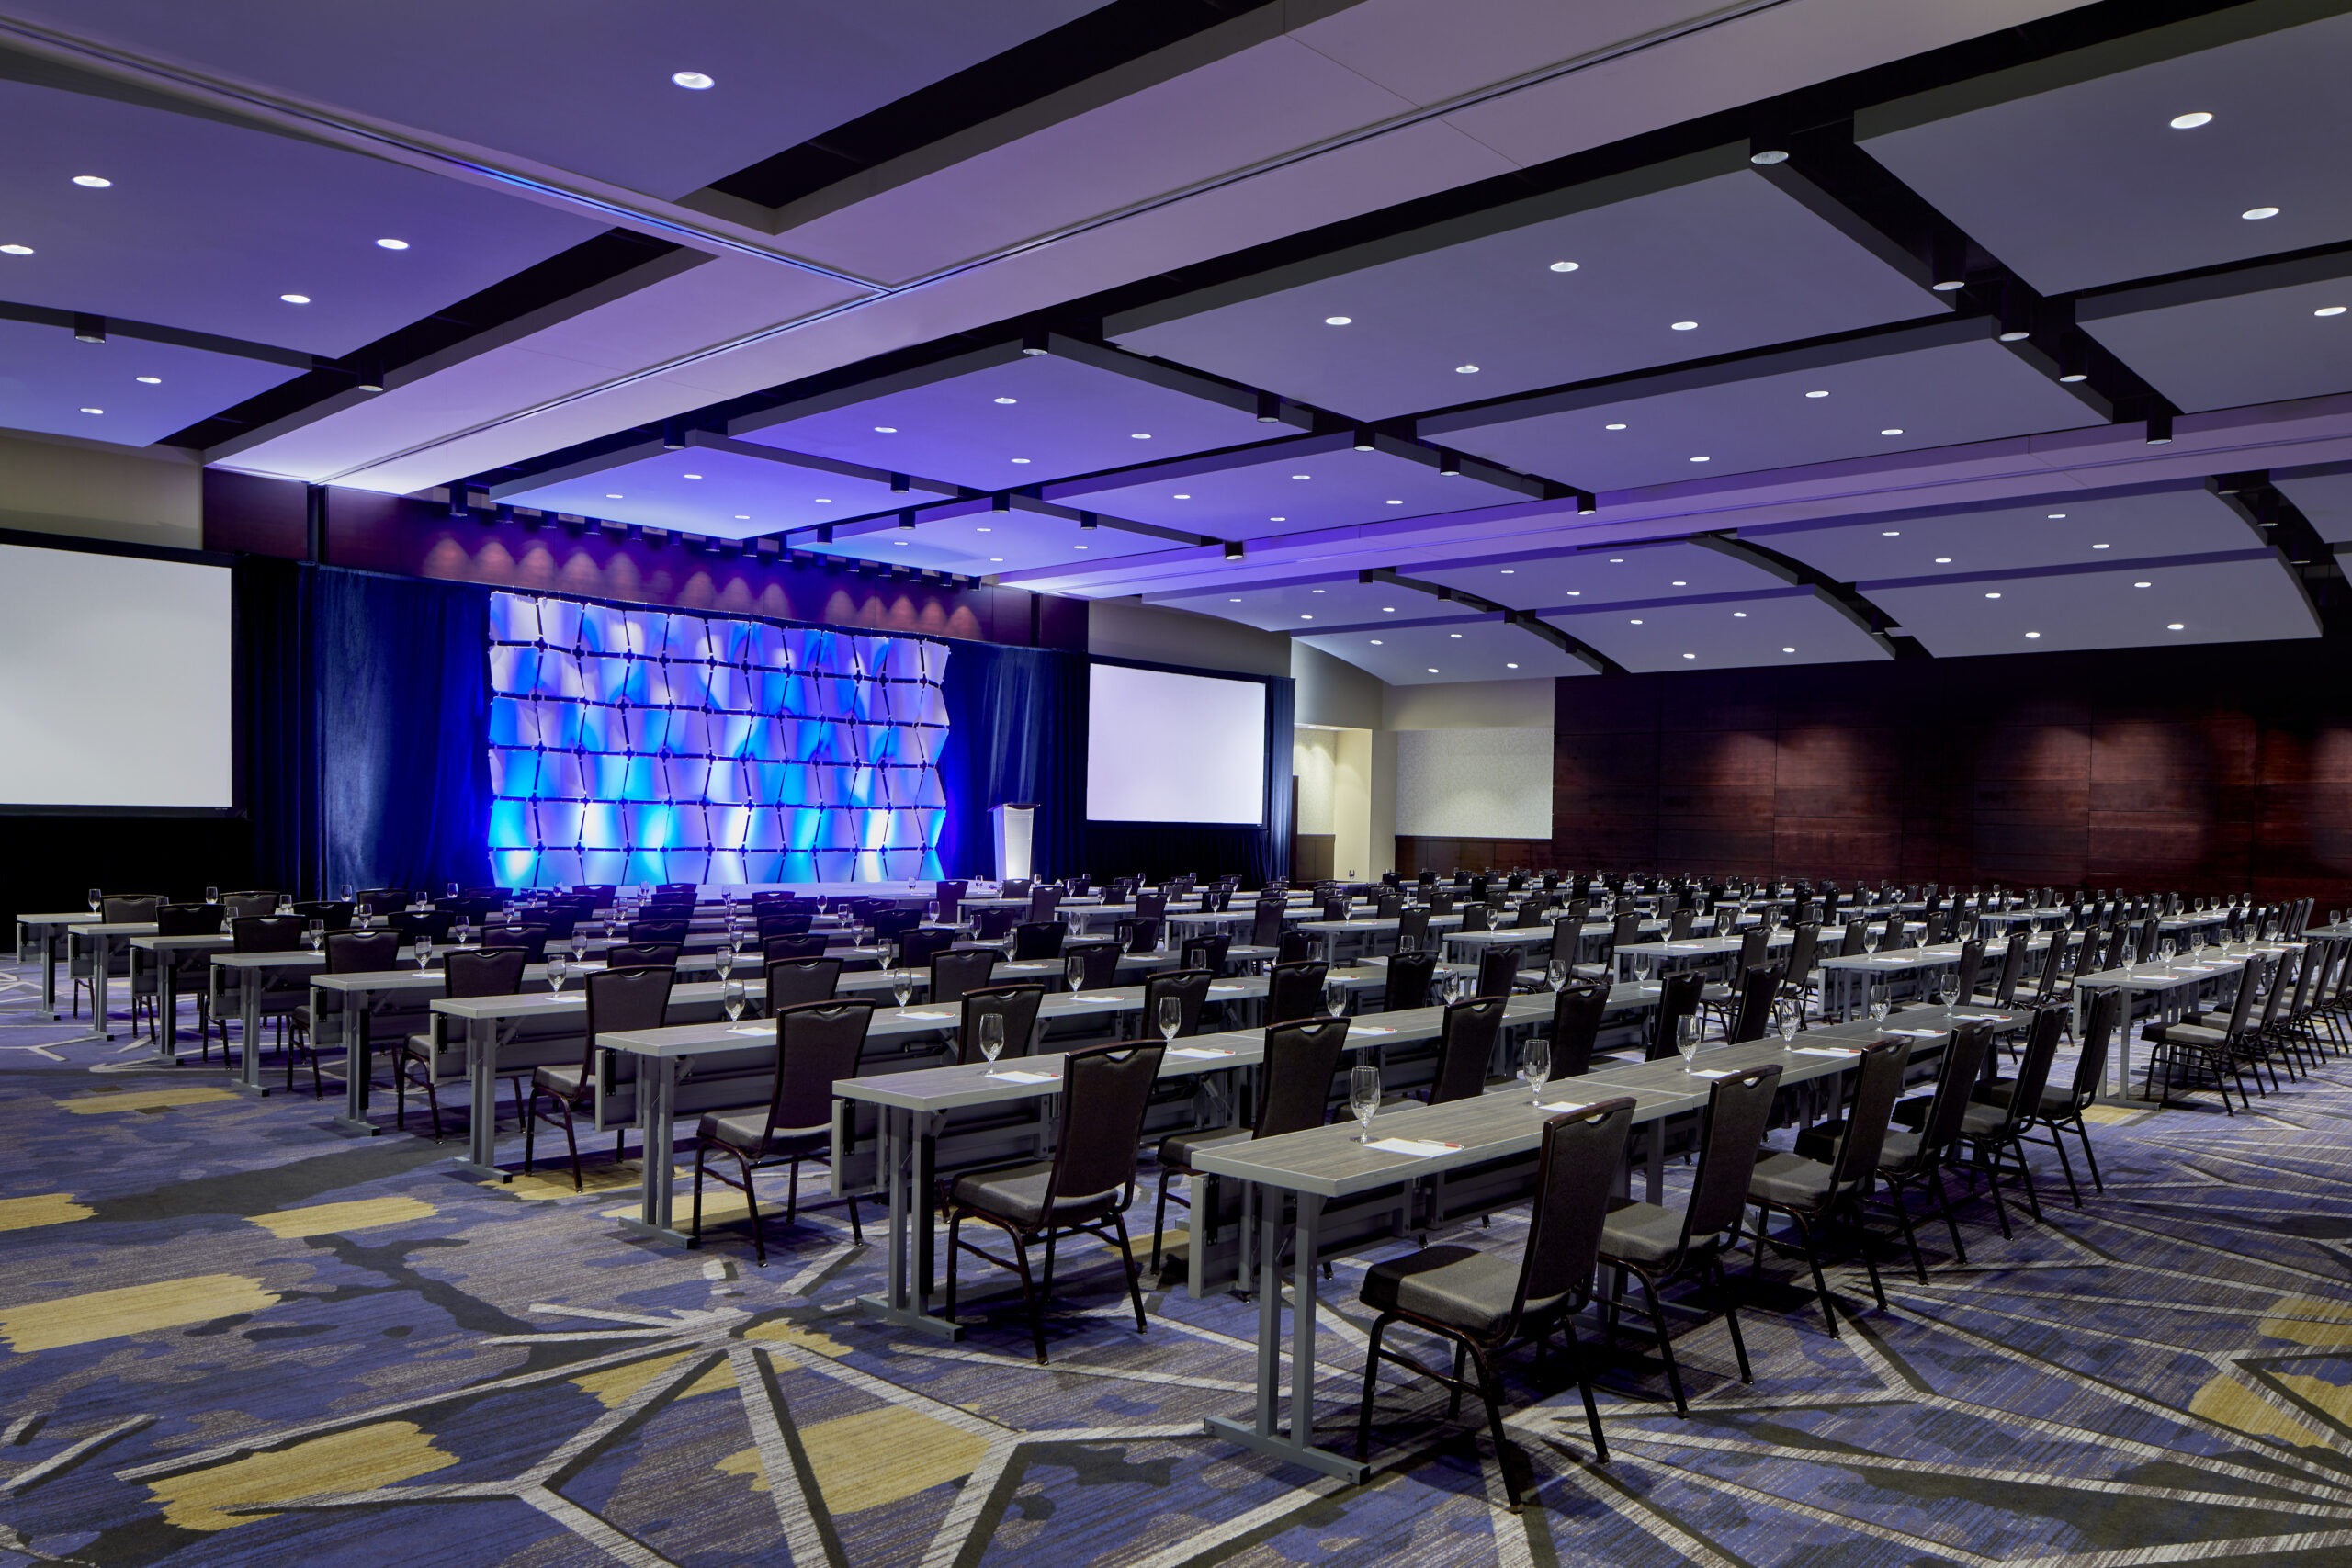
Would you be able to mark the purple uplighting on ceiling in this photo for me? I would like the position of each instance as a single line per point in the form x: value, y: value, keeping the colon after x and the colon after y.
x: 2059, y: 531
x: 1480, y: 647
x: 48, y: 379
x: 2250, y: 600
x: 1795, y: 625
x: 712, y: 486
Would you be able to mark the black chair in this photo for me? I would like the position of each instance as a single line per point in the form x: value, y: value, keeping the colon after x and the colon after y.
x: 619, y: 999
x: 919, y: 947
x: 1409, y: 977
x: 348, y: 952
x: 488, y: 971
x: 953, y: 974
x: 1205, y: 952
x: 1140, y: 934
x: 1575, y: 1025
x: 1499, y: 970
x: 1465, y: 1048
x: 1190, y: 989
x: 1917, y: 1158
x: 1477, y: 917
x: 2061, y: 1110
x: 1039, y: 938
x: 1759, y: 992
x: 994, y: 924
x: 816, y: 1045
x: 336, y: 914
x: 414, y: 923
x: 189, y: 968
x: 1266, y: 924
x: 2203, y: 1048
x: 622, y: 955
x: 797, y: 982
x: 658, y: 931
x: 1301, y: 1060
x: 1482, y: 1304
x: 1295, y: 947
x: 1678, y: 998
x: 266, y: 933
x: 1814, y: 1192
x: 773, y: 948
x: 1995, y: 1133
x: 781, y: 924
x: 1295, y: 990
x: 1098, y: 964
x: 1413, y: 930
x: 1657, y: 1245
x: 1084, y: 1189
x: 1016, y: 1003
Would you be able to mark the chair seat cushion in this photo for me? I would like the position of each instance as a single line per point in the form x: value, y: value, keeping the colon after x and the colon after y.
x: 1900, y: 1152
x: 1790, y: 1181
x: 1177, y: 1149
x: 1017, y: 1193
x: 1640, y: 1232
x: 747, y: 1130
x: 564, y: 1081
x: 1911, y: 1112
x: 2054, y: 1101
x: 1460, y: 1287
x: 2184, y: 1035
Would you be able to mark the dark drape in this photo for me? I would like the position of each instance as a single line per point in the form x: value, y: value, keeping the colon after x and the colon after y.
x: 1255, y: 854
x: 369, y: 701
x: 1016, y: 733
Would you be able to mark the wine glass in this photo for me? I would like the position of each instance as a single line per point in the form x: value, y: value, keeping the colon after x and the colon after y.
x: 212, y: 895
x: 993, y: 1030
x: 1171, y: 1017
x: 730, y: 996
x: 902, y: 985
x: 347, y: 892
x: 724, y: 959
x: 1555, y: 975
x: 284, y: 902
x: 1363, y: 1098
x: 1686, y: 1040
x: 1535, y: 1064
x: 462, y: 933
x: 1074, y: 971
x: 423, y: 951
x: 1787, y: 1026
x: 313, y: 934
x: 579, y: 946
x: 1878, y: 1005
x: 931, y: 912
x: 449, y: 891
x: 1334, y: 998
x: 558, y: 967
x: 363, y: 919
x: 97, y: 897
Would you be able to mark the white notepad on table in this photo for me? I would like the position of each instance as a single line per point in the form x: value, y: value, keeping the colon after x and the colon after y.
x: 1713, y: 1072
x: 1197, y: 1053
x: 1823, y: 1051
x: 1560, y: 1108
x: 927, y: 1017
x: 1419, y: 1148
x: 1018, y: 1077
x: 1370, y: 1029
x: 762, y: 1032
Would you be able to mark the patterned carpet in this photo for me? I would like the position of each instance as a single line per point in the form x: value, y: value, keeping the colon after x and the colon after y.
x: 235, y: 1335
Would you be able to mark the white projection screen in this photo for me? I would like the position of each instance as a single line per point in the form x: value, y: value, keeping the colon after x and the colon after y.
x: 115, y: 681
x: 1168, y: 747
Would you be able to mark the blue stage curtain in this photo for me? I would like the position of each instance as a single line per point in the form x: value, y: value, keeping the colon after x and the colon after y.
x: 280, y: 757
x: 1273, y: 849
x: 1016, y: 733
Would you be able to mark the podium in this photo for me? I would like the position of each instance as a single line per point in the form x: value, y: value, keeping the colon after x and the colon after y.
x: 1016, y: 826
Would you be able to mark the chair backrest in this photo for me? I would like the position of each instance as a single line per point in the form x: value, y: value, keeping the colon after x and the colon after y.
x: 335, y: 913
x: 1206, y: 951
x: 413, y: 923
x: 1758, y: 989
x: 892, y: 923
x: 1295, y: 946
x: 1754, y: 944
x: 1499, y: 970
x: 2099, y: 1023
x: 1389, y: 906
x: 919, y: 947
x: 484, y: 972
x: 2005, y: 989
x: 2053, y: 959
x: 1878, y: 1080
x: 775, y: 947
x: 1266, y: 924
x: 795, y: 982
x: 1477, y: 918
x: 266, y: 933
x: 953, y: 974
x: 1151, y: 906
x: 1971, y: 966
x: 1582, y: 1152
x: 1804, y: 942
x: 362, y: 953
x: 1039, y: 938
x: 188, y: 920
x: 2033, y: 1067
x: 1140, y: 934
x: 1098, y: 964
x: 658, y: 931
x: 2282, y: 979
x: 1576, y: 1025
x: 1190, y: 990
x: 781, y: 923
x: 1302, y: 1058
x: 1955, y: 1082
x: 1465, y: 1047
x: 533, y: 940
x: 1678, y: 924
x: 1739, y: 1108
x: 237, y: 905
x: 1295, y: 990
x: 1626, y: 931
x: 1414, y: 923
x: 1857, y: 938
x: 1409, y: 981
x: 622, y: 999
x: 1105, y: 1090
x: 992, y: 924
x: 1016, y: 1003
x: 816, y: 1045
x: 1567, y: 937
x: 1334, y: 909
x: 1678, y: 998
x: 1042, y: 902
x: 129, y: 909
x: 639, y: 955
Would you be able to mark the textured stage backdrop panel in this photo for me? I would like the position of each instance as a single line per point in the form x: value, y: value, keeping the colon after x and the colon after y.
x: 634, y: 745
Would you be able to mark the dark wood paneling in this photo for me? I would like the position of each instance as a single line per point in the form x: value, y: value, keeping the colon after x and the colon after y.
x: 1310, y: 857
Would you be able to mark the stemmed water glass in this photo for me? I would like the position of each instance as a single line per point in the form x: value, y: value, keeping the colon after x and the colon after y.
x: 424, y: 950
x: 1535, y: 1066
x: 992, y: 1027
x: 1686, y: 1040
x: 212, y: 895
x: 1878, y: 1004
x: 558, y: 967
x: 1073, y: 972
x: 730, y: 996
x: 579, y: 945
x: 1334, y: 998
x: 97, y: 897
x: 1555, y: 975
x: 724, y: 959
x: 347, y: 892
x: 1363, y: 1098
x: 313, y: 934
x: 1787, y: 1026
x: 462, y: 933
x: 284, y: 902
x: 449, y: 891
x: 1948, y: 986
x: 902, y: 985
x: 1171, y: 1017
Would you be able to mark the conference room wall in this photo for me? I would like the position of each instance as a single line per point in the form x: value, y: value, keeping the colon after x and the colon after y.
x: 55, y: 484
x: 2226, y: 767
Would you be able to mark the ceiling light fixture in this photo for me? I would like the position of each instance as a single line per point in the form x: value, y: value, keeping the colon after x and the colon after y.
x: 1612, y: 427
x: 1992, y: 596
x: 1364, y: 441
x: 2175, y: 627
x: 1139, y: 435
x: 295, y: 298
x: 693, y: 81
x: 1766, y: 156
x: 614, y: 495
x: 1739, y: 614
x: 1892, y: 430
x: 1393, y: 503
x: 1690, y: 656
x: 2257, y: 214
x: 1449, y: 464
x: 2329, y: 311
x: 1233, y: 549
x: 94, y: 411
x: 1338, y: 321
x: 1455, y: 636
x: 1431, y: 668
x: 1686, y: 326
x: 1388, y: 609
x: 393, y: 245
x: 15, y: 250
x: 1302, y: 476
x: 1821, y: 394
x: 2144, y: 585
x: 1182, y: 495
x: 1305, y: 617
x: 89, y: 329
x: 1466, y: 370
x: 690, y: 475
x: 2191, y: 120
x: 1575, y: 592
x: 1943, y: 560
x: 2030, y: 635
x: 1788, y: 651
x: 149, y: 380
x: 1677, y: 582
x: 886, y: 430
x: 1008, y: 399
x: 2160, y: 428
x: 92, y: 182
x: 1270, y: 409
x: 1634, y: 623
x: 1277, y: 519
x: 1587, y: 503
x: 742, y: 517
x: 1377, y: 643
x: 1564, y: 267
x: 1510, y: 666
x: 1703, y: 459
x: 2099, y: 546
x: 1017, y: 459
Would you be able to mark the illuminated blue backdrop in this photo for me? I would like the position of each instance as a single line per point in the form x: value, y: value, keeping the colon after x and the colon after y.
x: 635, y: 745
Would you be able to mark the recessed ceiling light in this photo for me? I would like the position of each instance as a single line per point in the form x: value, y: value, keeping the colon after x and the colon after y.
x: 295, y: 298
x: 1078, y: 547
x: 824, y: 501
x: 2192, y: 120
x: 1233, y: 601
x: 1315, y: 591
x: 1686, y: 326
x: 94, y: 411
x: 2329, y: 311
x: 1690, y: 656
x: 393, y: 245
x: 1432, y: 668
x: 614, y: 495
x: 1394, y: 504
x: 2144, y: 585
x: 1816, y: 394
x: 1277, y: 519
x: 886, y: 430
x: 900, y: 543
x: 2257, y: 214
x: 1616, y: 561
x: 1890, y: 533
x: 1455, y: 636
x: 1612, y: 427
x: 92, y: 182
x: 690, y: 475
x: 1306, y: 617
x: 15, y: 250
x: 1302, y: 476
x: 1336, y: 321
x: 1183, y: 495
x: 2055, y: 516
x: 2071, y: 376
x: 2099, y: 546
x: 1466, y: 370
x: 2030, y: 636
x: 2175, y: 627
x: 693, y: 81
x: 1703, y: 459
x: 996, y: 560
x: 1575, y: 592
x: 1564, y: 267
x: 1511, y: 571
x: 1788, y: 651
x: 1943, y: 560
x: 1018, y: 459
x: 1139, y: 435
x: 150, y: 381
x: 1377, y: 643
x: 1388, y: 609
x: 1892, y: 430
x: 1992, y: 596
x: 1510, y: 666
x: 1008, y: 399
x: 1677, y: 582
x: 984, y: 528
x: 1739, y: 614
x: 1634, y: 623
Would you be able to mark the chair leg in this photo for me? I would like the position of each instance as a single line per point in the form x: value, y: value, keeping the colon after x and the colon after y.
x: 955, y: 1233
x: 571, y: 1143
x: 1731, y: 1320
x: 1951, y: 1220
x: 792, y: 1195
x: 1052, y: 1240
x: 1029, y: 1294
x: 1896, y: 1194
x: 856, y: 1231
x: 530, y: 1129
x: 1490, y: 1389
x: 2083, y: 1131
x: 2025, y: 1168
x: 1159, y: 1219
x: 1583, y: 1387
x: 751, y: 1208
x: 1813, y: 1261
x: 1993, y: 1179
x: 694, y: 1223
x: 1128, y: 1255
x: 1870, y: 1264
x: 1371, y: 1376
x: 2065, y: 1166
x: 1665, y: 1345
x: 1453, y: 1394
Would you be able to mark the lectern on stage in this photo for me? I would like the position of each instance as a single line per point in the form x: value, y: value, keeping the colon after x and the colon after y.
x: 1016, y: 826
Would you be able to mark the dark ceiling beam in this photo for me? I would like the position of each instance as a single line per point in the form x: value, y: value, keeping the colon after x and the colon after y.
x: 2281, y: 524
x: 1527, y: 621
x: 1843, y: 597
x: 151, y: 331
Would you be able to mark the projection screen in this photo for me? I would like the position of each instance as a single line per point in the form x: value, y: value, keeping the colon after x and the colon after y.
x: 115, y: 681
x: 1168, y: 747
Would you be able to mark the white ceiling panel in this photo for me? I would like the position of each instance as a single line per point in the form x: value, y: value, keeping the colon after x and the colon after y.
x: 725, y: 489
x: 2267, y: 346
x: 2058, y: 531
x: 2324, y: 496
x: 1602, y: 575
x: 1296, y: 604
x: 2252, y: 599
x: 1484, y: 648
x: 123, y: 389
x: 1795, y: 625
x: 974, y: 541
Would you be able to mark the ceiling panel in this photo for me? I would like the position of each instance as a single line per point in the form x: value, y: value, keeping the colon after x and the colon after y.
x: 53, y: 383
x: 1290, y: 487
x: 1795, y: 625
x: 2324, y: 496
x: 2066, y: 530
x: 207, y: 224
x: 2250, y: 600
x: 2263, y: 347
x: 2072, y: 173
x: 1719, y: 247
x: 1484, y: 648
x: 712, y: 486
x: 1291, y: 605
x: 1001, y: 418
x: 981, y: 543
x: 1619, y: 574
x: 584, y: 84
x: 1944, y: 396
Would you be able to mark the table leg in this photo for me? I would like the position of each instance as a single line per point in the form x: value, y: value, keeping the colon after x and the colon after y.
x: 249, y: 1021
x: 657, y: 1088
x: 358, y: 1062
x: 102, y: 956
x: 167, y: 1009
x: 481, y: 1091
x: 50, y: 939
x: 1261, y: 1433
x: 904, y: 1300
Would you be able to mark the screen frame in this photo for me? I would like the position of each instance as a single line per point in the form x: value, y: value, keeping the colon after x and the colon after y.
x: 1265, y: 788
x: 238, y: 806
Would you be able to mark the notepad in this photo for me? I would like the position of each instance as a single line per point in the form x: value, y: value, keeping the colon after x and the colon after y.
x: 1713, y: 1072
x: 1419, y: 1148
x: 1017, y: 1076
x: 1225, y: 990
x: 1823, y: 1051
x: 761, y: 1031
x: 1914, y: 1033
x: 1197, y: 1053
x: 927, y: 1016
x: 1559, y: 1107
x: 1086, y: 1001
x: 1370, y: 1029
x: 1978, y: 1018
